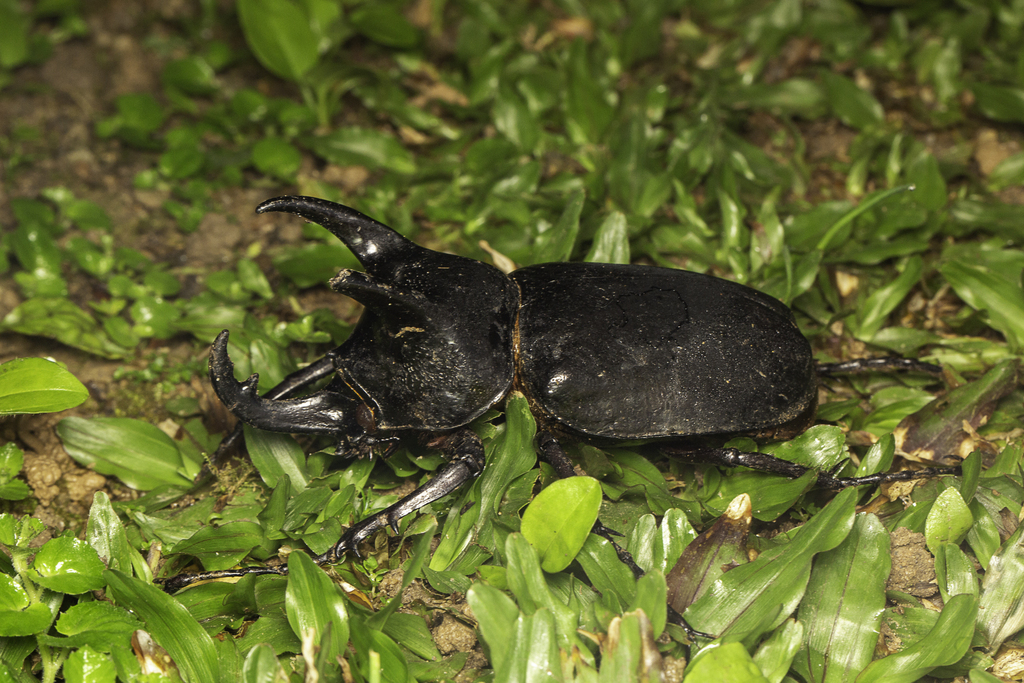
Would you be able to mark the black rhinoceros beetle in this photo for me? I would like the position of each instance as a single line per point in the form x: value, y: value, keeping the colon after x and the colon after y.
x: 602, y: 352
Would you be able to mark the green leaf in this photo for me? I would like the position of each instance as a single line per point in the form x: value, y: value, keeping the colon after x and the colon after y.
x: 948, y: 521
x: 611, y: 243
x: 875, y: 310
x: 855, y: 107
x: 14, y: 35
x: 559, y: 520
x: 60, y: 319
x: 847, y: 586
x: 588, y: 114
x: 279, y: 34
x: 222, y: 547
x: 276, y: 157
x: 984, y: 290
x: 945, y: 644
x: 496, y: 614
x: 68, y: 565
x: 628, y: 654
x: 556, y: 243
x: 775, y: 655
x: 758, y: 596
x: 100, y: 625
x: 275, y: 456
x: 351, y: 146
x: 138, y: 453
x: 1000, y: 103
x: 1001, y: 609
x: 724, y: 662
x: 88, y: 666
x: 170, y: 625
x: 314, y: 603
x: 533, y: 652
x: 385, y: 25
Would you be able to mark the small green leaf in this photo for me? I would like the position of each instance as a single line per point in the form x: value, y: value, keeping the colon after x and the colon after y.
x: 222, y: 547
x: 855, y: 107
x: 948, y: 521
x: 276, y: 157
x: 496, y: 614
x: 724, y: 662
x: 385, y: 25
x: 1000, y: 103
x: 276, y: 456
x: 365, y: 147
x: 68, y: 565
x: 37, y: 385
x: 559, y: 519
x: 611, y: 243
x: 88, y: 666
x: 279, y: 34
x: 138, y: 453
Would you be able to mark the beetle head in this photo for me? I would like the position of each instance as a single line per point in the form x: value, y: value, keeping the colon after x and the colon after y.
x: 432, y: 350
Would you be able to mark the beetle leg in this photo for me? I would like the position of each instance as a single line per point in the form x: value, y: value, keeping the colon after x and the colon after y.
x: 289, y: 386
x: 466, y: 453
x: 893, y: 364
x: 324, y: 412
x: 762, y: 462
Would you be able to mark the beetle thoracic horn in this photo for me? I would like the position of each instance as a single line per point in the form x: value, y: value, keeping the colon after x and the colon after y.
x: 324, y: 412
x: 370, y: 241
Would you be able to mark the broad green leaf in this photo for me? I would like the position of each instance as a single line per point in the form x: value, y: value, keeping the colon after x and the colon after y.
x: 279, y: 34
x: 875, y: 310
x: 611, y: 243
x: 758, y: 596
x: 629, y: 652
x: 1001, y: 609
x: 945, y: 644
x: 724, y: 662
x: 847, y: 586
x: 61, y: 319
x: 1000, y: 103
x: 363, y: 146
x: 496, y: 614
x: 88, y: 666
x: 222, y: 547
x: 855, y: 107
x: 68, y: 565
x: 276, y: 157
x: 775, y: 655
x: 559, y: 520
x: 556, y: 244
x: 136, y: 452
x: 275, y: 456
x: 588, y: 114
x: 37, y: 385
x: 100, y: 625
x: 261, y: 666
x: 533, y: 652
x: 948, y: 521
x: 313, y: 602
x: 984, y: 290
x: 169, y: 624
x: 385, y: 25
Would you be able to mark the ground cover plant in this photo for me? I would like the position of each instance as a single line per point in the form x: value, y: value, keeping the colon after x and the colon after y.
x: 861, y: 162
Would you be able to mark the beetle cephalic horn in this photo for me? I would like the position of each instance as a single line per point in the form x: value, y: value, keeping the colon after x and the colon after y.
x: 324, y: 412
x: 370, y: 241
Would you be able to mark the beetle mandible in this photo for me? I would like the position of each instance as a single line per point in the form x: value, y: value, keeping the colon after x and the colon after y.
x: 602, y: 352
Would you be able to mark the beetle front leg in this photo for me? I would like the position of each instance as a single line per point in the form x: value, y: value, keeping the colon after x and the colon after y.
x: 289, y: 386
x: 466, y: 460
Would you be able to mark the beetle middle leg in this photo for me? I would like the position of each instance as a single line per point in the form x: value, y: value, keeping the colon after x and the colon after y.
x: 465, y: 454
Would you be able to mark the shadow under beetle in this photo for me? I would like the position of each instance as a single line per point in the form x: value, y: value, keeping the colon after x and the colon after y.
x: 603, y: 352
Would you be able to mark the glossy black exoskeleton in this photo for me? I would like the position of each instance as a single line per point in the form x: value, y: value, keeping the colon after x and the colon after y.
x: 603, y: 352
